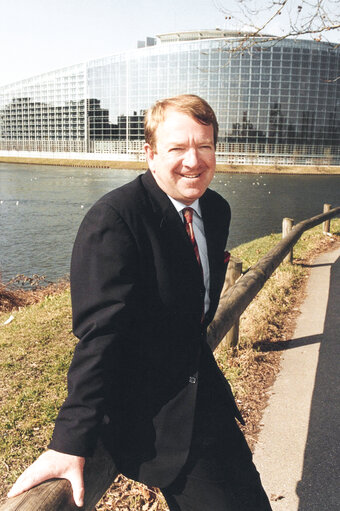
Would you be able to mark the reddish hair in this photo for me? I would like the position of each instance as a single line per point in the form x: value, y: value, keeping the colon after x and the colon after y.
x: 188, y: 104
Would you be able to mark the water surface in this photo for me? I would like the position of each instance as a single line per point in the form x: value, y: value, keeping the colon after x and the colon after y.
x: 41, y: 208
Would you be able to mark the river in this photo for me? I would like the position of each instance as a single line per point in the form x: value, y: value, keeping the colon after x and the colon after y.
x: 41, y: 207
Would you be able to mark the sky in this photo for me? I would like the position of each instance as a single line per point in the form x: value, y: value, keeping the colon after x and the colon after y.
x: 37, y: 36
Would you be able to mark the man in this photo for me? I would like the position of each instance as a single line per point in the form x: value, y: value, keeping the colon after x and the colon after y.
x: 147, y: 270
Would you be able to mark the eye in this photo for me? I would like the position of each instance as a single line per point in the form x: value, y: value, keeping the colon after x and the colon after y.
x: 175, y: 149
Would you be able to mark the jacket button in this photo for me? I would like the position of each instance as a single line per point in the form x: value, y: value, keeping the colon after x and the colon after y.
x: 106, y: 420
x: 192, y: 379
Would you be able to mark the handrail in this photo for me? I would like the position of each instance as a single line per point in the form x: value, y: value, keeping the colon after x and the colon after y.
x: 99, y: 472
x: 236, y: 299
x: 56, y: 494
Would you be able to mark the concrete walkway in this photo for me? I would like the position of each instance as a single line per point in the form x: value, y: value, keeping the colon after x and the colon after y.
x: 298, y: 451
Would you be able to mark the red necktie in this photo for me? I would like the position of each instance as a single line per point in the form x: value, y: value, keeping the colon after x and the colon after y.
x: 187, y: 214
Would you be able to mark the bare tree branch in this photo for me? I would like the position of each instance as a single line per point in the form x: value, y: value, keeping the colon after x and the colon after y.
x: 313, y: 18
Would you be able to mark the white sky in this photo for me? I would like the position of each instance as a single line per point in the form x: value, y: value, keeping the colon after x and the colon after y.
x: 37, y: 36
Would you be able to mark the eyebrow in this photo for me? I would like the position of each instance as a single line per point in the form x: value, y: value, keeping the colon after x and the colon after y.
x: 181, y: 143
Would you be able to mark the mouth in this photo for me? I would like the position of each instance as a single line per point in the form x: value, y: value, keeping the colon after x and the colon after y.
x: 190, y: 176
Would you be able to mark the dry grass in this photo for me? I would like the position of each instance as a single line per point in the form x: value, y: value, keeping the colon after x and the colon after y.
x: 142, y: 165
x: 278, y: 169
x: 268, y: 323
x: 108, y: 164
x: 35, y: 352
x: 23, y: 290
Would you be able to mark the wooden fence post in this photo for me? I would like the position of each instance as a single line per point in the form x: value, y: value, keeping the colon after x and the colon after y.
x: 234, y: 272
x: 287, y: 226
x: 326, y: 226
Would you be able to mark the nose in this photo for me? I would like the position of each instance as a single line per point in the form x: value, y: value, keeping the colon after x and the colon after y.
x: 190, y: 158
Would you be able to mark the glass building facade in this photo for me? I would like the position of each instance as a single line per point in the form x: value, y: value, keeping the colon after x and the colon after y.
x: 277, y: 102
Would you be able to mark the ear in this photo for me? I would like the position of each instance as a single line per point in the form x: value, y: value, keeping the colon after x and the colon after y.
x: 150, y: 156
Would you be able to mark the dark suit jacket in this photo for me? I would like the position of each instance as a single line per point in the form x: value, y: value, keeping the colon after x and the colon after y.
x: 137, y: 298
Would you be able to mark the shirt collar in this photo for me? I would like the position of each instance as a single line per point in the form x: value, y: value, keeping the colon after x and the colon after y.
x: 179, y: 206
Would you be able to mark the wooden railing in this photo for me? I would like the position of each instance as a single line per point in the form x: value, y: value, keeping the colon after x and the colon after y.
x: 56, y: 494
x: 100, y: 472
x: 237, y: 298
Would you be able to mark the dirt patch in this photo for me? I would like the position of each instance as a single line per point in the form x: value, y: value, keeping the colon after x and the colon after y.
x: 22, y: 290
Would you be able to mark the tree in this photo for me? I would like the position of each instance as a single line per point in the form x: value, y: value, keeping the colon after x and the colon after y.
x: 316, y: 19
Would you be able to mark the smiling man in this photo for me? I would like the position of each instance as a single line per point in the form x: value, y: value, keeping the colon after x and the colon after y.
x: 181, y: 154
x: 147, y: 270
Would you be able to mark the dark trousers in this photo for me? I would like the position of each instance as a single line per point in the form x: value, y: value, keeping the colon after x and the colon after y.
x: 219, y: 474
x: 219, y: 478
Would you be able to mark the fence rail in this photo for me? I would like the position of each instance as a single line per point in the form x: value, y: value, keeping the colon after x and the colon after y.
x: 237, y: 298
x: 99, y: 472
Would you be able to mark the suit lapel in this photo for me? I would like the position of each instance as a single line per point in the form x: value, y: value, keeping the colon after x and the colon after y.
x: 172, y: 230
x: 212, y: 236
x: 175, y: 240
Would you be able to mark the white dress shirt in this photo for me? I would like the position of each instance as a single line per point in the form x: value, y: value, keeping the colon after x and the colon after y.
x: 198, y: 227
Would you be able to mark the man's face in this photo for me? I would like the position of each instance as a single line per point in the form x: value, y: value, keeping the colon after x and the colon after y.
x: 183, y: 163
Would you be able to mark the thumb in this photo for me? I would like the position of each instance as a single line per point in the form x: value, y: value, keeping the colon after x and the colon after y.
x: 76, y: 479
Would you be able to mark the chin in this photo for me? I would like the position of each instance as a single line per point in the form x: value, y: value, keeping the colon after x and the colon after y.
x: 191, y: 197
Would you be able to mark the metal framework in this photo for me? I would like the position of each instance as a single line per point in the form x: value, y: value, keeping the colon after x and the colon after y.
x: 278, y: 102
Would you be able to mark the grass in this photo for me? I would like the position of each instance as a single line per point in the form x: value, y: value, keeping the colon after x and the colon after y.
x: 36, y: 348
x: 268, y: 322
x: 37, y: 345
x: 142, y: 165
x: 133, y: 165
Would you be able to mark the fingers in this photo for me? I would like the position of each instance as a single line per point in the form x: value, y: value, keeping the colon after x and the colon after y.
x: 31, y: 477
x: 50, y: 465
x: 77, y: 481
x: 20, y: 486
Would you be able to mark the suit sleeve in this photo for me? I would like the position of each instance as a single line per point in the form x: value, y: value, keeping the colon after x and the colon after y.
x: 104, y: 300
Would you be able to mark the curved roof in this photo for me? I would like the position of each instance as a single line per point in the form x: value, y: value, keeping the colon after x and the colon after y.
x: 216, y: 33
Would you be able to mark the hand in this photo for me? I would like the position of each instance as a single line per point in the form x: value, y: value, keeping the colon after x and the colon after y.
x: 52, y: 464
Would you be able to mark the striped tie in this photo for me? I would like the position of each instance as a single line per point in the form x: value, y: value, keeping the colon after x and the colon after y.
x: 187, y: 214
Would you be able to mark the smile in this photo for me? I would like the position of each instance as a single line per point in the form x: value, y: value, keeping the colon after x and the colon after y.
x: 191, y: 177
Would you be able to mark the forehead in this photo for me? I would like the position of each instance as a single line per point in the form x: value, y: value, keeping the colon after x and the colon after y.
x: 178, y: 125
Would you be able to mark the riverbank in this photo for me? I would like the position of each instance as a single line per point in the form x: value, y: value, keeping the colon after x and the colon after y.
x: 37, y: 345
x: 142, y: 165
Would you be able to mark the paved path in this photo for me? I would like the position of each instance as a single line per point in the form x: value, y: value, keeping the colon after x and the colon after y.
x: 298, y: 452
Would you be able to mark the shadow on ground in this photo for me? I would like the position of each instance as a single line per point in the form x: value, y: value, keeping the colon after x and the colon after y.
x: 319, y: 488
